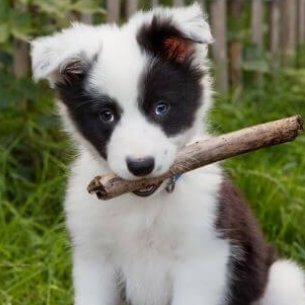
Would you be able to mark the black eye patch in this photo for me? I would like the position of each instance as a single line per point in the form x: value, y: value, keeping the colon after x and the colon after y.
x: 177, y: 85
x: 95, y: 116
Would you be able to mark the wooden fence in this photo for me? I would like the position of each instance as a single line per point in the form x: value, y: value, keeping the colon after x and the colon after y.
x: 276, y: 30
x: 251, y: 36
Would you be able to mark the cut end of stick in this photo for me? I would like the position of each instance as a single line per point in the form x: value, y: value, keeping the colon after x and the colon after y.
x: 96, y: 187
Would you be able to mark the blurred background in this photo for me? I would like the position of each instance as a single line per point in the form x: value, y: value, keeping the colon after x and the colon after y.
x: 258, y: 61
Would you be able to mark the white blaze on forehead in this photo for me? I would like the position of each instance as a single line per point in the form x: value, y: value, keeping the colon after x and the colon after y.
x: 135, y: 137
x: 118, y: 68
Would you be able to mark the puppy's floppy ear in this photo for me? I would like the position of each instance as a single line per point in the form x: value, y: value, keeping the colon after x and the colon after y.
x: 65, y: 56
x: 175, y: 33
x: 191, y: 22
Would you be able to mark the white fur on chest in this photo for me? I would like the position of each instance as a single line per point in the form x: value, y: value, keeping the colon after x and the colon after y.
x: 146, y: 240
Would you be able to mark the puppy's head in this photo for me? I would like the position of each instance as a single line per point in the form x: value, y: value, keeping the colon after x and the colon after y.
x: 131, y: 95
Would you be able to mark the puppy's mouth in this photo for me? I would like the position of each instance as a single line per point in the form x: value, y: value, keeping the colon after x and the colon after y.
x: 147, y: 191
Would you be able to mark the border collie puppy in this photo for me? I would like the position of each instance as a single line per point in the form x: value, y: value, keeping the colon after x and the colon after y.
x: 130, y: 97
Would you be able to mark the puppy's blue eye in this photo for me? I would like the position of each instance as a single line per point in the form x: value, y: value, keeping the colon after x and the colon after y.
x: 161, y: 109
x: 106, y: 116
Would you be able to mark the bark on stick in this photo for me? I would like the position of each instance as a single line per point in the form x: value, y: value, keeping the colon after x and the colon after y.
x: 206, y: 152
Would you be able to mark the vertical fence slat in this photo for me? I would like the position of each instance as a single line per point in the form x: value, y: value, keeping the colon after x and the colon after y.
x: 257, y: 22
x: 304, y: 24
x: 113, y: 10
x: 178, y: 2
x: 21, y: 60
x: 235, y: 45
x: 301, y: 22
x: 86, y: 18
x: 289, y: 14
x: 132, y: 6
x: 219, y: 26
x: 275, y: 30
x: 154, y: 3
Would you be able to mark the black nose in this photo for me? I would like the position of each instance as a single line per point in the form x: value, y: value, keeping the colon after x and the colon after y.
x: 141, y: 166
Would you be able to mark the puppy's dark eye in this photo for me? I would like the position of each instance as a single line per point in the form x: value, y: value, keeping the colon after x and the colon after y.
x: 161, y: 109
x: 106, y: 116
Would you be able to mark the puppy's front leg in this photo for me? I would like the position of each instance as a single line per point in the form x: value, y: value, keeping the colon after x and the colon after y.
x: 94, y: 281
x: 199, y: 283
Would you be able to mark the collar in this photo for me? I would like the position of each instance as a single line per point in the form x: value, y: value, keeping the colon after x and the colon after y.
x: 171, y: 183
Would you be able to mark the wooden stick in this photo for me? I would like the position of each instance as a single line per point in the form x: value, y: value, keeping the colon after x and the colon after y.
x: 206, y: 152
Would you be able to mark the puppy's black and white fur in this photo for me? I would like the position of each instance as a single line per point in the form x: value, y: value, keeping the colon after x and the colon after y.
x: 130, y: 97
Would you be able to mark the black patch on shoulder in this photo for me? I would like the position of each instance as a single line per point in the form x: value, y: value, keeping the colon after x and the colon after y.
x: 248, y: 271
x: 170, y: 77
x: 85, y: 109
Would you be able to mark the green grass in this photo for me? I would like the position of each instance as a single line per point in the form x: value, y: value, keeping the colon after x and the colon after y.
x: 34, y: 249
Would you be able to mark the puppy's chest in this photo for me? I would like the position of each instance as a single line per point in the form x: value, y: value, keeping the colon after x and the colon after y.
x: 143, y: 235
x: 144, y: 254
x: 152, y: 244
x: 146, y: 280
x: 170, y: 229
